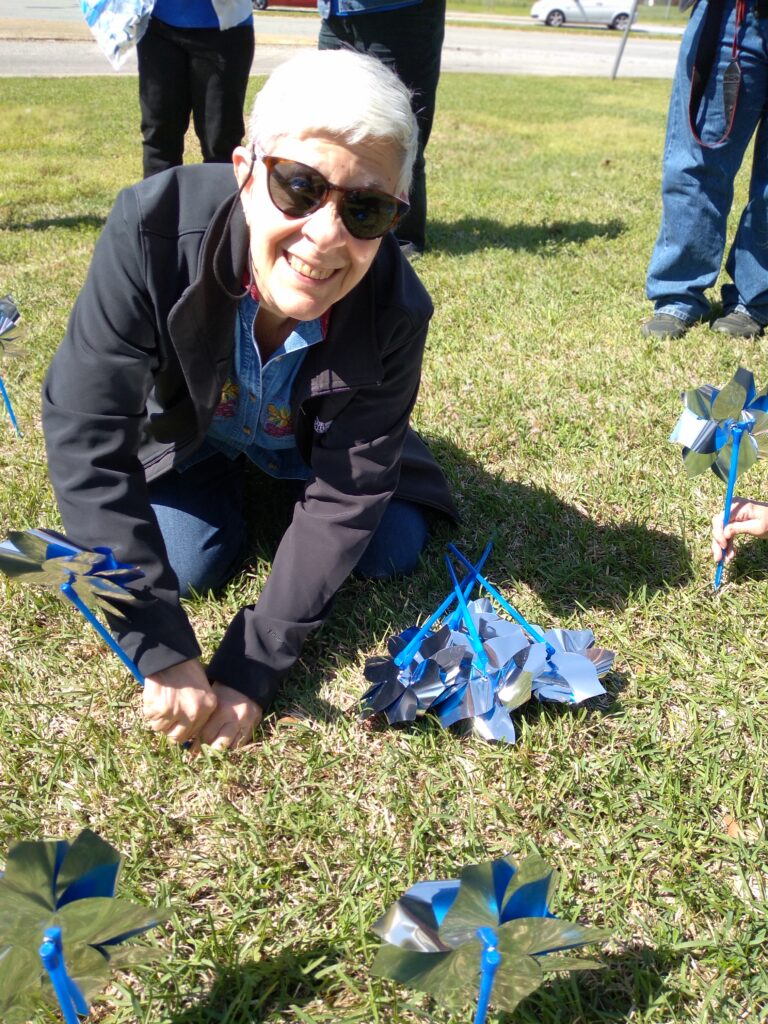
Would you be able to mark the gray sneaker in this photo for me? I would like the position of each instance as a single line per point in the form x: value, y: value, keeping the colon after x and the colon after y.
x: 664, y: 325
x: 738, y: 324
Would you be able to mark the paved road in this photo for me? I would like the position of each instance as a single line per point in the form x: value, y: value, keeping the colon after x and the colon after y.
x: 68, y: 51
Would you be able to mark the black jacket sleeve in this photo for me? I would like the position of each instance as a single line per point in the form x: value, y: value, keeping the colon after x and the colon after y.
x: 94, y: 415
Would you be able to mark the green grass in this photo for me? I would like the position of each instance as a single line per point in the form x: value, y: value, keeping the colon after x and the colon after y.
x: 550, y: 414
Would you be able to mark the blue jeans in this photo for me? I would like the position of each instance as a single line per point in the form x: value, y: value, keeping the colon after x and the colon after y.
x: 697, y: 183
x: 200, y: 512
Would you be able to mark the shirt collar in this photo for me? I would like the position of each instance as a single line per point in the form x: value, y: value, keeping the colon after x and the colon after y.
x: 253, y: 291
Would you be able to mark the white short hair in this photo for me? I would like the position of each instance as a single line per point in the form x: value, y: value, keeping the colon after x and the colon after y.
x: 340, y: 93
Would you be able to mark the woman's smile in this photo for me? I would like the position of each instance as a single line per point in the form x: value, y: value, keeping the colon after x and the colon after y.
x: 304, y: 269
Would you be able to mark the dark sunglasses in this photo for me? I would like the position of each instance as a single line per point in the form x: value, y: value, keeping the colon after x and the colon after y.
x: 298, y: 190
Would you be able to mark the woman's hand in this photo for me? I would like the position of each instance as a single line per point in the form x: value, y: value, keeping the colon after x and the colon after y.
x: 179, y: 701
x: 232, y: 723
x: 747, y: 516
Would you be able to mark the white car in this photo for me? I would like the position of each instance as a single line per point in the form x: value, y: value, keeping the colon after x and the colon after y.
x: 613, y: 13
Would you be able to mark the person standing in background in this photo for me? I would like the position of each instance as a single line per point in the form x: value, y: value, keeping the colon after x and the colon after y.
x: 190, y: 62
x: 407, y: 35
x: 718, y: 104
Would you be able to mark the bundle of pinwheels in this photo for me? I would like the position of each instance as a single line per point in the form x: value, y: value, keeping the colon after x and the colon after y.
x: 478, y: 666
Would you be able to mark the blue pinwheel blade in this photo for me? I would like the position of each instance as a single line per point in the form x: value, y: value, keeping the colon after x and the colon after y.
x: 380, y: 670
x: 515, y: 689
x: 699, y: 400
x: 404, y: 709
x: 759, y: 433
x: 440, y: 895
x: 496, y: 725
x: 476, y: 905
x: 41, y: 545
x: 480, y: 694
x: 737, y: 393
x: 451, y: 978
x: 10, y: 327
x: 453, y: 707
x: 90, y: 868
x: 536, y: 936
x: 411, y: 922
x: 502, y: 649
x: 529, y: 892
x: 747, y: 457
x: 13, y: 563
x: 696, y: 433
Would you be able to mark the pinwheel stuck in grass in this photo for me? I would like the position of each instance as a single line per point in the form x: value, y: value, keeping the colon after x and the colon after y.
x: 88, y: 579
x: 725, y: 430
x: 9, y: 348
x: 62, y: 895
x: 487, y: 937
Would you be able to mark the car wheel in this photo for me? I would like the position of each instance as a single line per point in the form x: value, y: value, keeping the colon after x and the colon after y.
x: 555, y: 19
x: 620, y: 22
x: 259, y: 5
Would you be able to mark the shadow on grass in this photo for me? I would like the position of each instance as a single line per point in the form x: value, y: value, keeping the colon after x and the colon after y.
x: 253, y: 991
x: 630, y: 983
x: 750, y: 564
x: 555, y: 548
x: 541, y: 541
x: 88, y: 220
x: 457, y: 238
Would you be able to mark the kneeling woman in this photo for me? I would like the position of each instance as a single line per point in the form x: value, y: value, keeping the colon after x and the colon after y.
x: 275, y: 323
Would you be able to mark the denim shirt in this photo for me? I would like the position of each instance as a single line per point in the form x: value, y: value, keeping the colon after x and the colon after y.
x: 342, y: 8
x: 254, y: 414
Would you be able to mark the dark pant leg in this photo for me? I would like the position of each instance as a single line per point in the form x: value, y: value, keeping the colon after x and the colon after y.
x: 200, y: 513
x: 220, y: 63
x: 397, y: 544
x: 410, y: 41
x: 164, y: 97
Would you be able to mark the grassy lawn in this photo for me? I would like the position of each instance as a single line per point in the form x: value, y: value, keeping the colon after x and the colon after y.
x: 550, y: 413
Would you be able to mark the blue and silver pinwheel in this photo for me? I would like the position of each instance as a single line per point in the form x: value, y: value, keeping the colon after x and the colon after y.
x: 86, y: 578
x: 9, y: 348
x: 479, y: 666
x: 487, y: 937
x: 58, y: 907
x: 724, y: 430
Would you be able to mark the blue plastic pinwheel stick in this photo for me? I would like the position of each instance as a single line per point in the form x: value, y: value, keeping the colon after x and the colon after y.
x: 489, y: 964
x: 500, y: 599
x: 407, y: 653
x: 474, y: 636
x: 7, y: 403
x: 736, y: 435
x: 69, y: 592
x: 470, y: 579
x: 68, y: 995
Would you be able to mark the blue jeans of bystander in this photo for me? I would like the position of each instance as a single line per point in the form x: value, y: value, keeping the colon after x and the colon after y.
x: 697, y: 182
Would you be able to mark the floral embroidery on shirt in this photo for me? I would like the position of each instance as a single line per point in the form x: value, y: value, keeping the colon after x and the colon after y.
x: 225, y: 410
x: 277, y: 422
